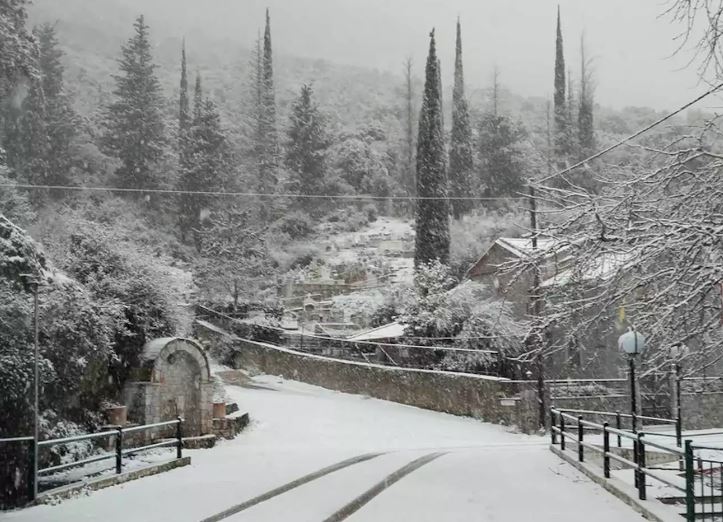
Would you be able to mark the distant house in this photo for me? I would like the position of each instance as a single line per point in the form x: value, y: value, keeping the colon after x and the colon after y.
x: 592, y: 354
x: 490, y: 268
x: 387, y: 333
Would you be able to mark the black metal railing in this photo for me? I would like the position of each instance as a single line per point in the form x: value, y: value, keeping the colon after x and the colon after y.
x: 16, y: 476
x: 702, y: 475
x: 115, y: 436
x: 705, y: 474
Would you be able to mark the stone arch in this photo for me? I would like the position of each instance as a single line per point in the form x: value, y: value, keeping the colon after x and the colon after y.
x: 176, y: 381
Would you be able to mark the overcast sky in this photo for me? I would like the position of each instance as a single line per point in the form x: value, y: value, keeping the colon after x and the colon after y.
x: 630, y: 43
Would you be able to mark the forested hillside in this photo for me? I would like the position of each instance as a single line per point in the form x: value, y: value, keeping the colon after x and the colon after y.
x: 162, y: 165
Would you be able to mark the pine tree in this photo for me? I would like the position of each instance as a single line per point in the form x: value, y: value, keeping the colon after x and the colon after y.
x: 561, y: 121
x: 61, y: 120
x: 27, y: 141
x: 460, y: 147
x: 134, y: 123
x: 208, y: 158
x: 267, y: 133
x: 586, y: 131
x: 432, y: 222
x: 500, y: 159
x: 19, y: 51
x: 307, y: 144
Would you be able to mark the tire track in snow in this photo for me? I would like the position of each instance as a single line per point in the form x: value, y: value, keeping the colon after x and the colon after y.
x: 289, y: 486
x: 366, y: 497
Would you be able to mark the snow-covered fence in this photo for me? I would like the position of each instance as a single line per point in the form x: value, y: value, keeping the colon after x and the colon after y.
x: 17, y: 465
x: 16, y: 476
x: 695, y: 481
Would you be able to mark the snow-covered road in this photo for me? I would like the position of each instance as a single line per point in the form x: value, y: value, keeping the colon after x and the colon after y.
x: 475, y: 471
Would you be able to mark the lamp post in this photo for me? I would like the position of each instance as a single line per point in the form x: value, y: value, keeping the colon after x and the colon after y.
x: 34, y: 283
x: 632, y: 343
x: 677, y: 353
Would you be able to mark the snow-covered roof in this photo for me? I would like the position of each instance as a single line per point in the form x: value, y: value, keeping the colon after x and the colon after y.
x: 388, y: 331
x: 153, y: 348
x: 522, y: 246
x: 519, y: 247
x: 602, y: 267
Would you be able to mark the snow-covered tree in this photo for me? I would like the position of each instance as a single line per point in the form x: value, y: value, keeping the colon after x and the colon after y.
x: 646, y: 252
x: 206, y: 161
x: 501, y: 165
x: 432, y: 233
x: 307, y: 144
x: 460, y: 145
x: 134, y: 121
x: 267, y: 135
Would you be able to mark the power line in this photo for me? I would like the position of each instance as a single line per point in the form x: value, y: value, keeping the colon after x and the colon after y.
x: 373, y: 343
x: 250, y: 194
x: 632, y: 136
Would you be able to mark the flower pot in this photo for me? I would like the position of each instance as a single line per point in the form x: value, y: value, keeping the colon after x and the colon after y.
x: 117, y: 415
x: 219, y: 410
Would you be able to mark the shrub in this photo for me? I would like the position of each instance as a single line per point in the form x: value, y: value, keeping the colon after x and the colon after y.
x: 296, y: 225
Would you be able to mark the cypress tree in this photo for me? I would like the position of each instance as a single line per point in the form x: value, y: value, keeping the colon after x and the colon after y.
x: 586, y: 131
x: 408, y: 176
x: 460, y: 147
x: 134, y: 122
x: 267, y: 133
x: 184, y: 106
x: 187, y: 212
x: 561, y: 122
x: 432, y: 221
x: 197, y: 99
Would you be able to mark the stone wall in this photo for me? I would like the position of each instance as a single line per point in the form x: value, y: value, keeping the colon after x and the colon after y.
x: 486, y: 398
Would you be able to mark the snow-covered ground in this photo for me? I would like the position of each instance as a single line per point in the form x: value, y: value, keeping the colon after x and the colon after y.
x: 486, y: 473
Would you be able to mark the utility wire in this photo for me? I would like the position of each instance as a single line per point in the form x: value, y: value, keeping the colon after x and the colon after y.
x: 250, y: 194
x: 632, y: 136
x: 350, y: 341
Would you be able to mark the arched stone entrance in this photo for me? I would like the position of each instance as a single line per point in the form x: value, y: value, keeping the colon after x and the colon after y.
x: 174, y: 380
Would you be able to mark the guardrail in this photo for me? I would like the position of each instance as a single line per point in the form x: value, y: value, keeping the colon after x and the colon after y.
x: 119, y: 452
x: 696, y: 467
x: 116, y: 436
x: 636, y: 421
x: 16, y: 492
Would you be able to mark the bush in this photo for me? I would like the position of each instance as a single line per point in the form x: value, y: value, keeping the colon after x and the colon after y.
x: 296, y: 225
x: 371, y: 212
x: 116, y: 277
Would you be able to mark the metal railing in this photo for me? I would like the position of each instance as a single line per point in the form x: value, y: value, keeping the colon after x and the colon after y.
x: 116, y: 436
x: 571, y: 425
x: 16, y: 492
x: 636, y: 422
x: 119, y: 452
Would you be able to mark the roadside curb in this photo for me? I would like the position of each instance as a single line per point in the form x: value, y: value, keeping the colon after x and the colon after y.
x: 66, y: 492
x: 628, y: 494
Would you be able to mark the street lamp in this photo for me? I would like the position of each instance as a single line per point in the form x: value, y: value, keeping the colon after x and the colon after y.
x: 34, y: 283
x: 632, y: 343
x: 677, y: 353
